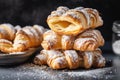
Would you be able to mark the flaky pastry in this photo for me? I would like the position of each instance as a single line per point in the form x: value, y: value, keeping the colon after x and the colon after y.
x: 7, y: 31
x: 25, y: 38
x: 60, y: 59
x: 89, y: 40
x: 73, y: 21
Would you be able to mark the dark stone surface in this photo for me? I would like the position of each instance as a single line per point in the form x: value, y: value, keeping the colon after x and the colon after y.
x: 29, y: 71
x: 34, y: 72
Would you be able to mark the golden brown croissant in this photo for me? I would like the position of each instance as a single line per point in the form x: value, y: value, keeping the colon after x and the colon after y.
x: 86, y: 41
x: 5, y: 45
x: 73, y: 21
x: 52, y: 40
x: 59, y: 59
x: 27, y: 37
x: 7, y: 31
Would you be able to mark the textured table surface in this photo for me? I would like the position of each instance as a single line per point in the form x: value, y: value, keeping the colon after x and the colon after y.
x: 29, y: 71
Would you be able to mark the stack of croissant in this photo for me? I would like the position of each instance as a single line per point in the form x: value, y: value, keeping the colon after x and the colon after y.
x: 17, y: 39
x: 73, y: 41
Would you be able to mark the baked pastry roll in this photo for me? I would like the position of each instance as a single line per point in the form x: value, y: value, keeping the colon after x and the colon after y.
x: 7, y: 31
x: 89, y: 40
x: 28, y: 37
x: 25, y: 38
x: 73, y: 21
x: 52, y: 40
x: 6, y: 46
x: 72, y: 59
x: 67, y: 42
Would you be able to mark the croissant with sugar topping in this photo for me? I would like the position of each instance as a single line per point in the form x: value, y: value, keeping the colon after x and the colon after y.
x: 73, y: 21
x: 17, y: 40
x: 89, y: 40
x: 71, y: 59
x: 73, y: 42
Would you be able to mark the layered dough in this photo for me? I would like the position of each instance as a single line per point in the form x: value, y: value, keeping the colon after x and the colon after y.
x: 20, y: 39
x: 7, y: 31
x: 71, y: 59
x: 89, y: 40
x: 73, y: 21
x: 73, y: 41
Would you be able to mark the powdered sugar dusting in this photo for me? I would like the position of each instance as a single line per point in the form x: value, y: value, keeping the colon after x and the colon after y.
x: 98, y: 37
x: 30, y: 71
x: 5, y: 41
x: 10, y: 29
x: 52, y: 36
x: 60, y: 10
x: 53, y: 54
x: 7, y: 24
x: 72, y: 54
x: 79, y: 8
x: 66, y: 41
x: 88, y: 33
x: 63, y: 8
x: 19, y: 42
x: 2, y: 33
x: 91, y: 74
x: 81, y: 42
x: 66, y: 38
x: 61, y: 61
x: 89, y: 13
x: 87, y: 16
x: 100, y: 59
x: 93, y: 33
x: 36, y: 35
x: 18, y: 27
x: 41, y: 57
x: 89, y: 57
x: 26, y: 30
x: 39, y: 28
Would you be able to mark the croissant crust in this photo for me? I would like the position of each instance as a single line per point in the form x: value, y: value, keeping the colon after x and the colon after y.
x: 89, y: 40
x: 59, y: 59
x: 73, y: 21
x: 20, y: 39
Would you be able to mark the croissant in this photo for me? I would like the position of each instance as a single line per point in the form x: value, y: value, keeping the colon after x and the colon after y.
x: 52, y: 40
x: 5, y: 46
x: 7, y: 31
x: 60, y: 59
x: 25, y: 38
x: 89, y: 40
x: 73, y: 21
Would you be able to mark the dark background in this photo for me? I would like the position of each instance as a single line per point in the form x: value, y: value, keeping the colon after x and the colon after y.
x: 30, y: 12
